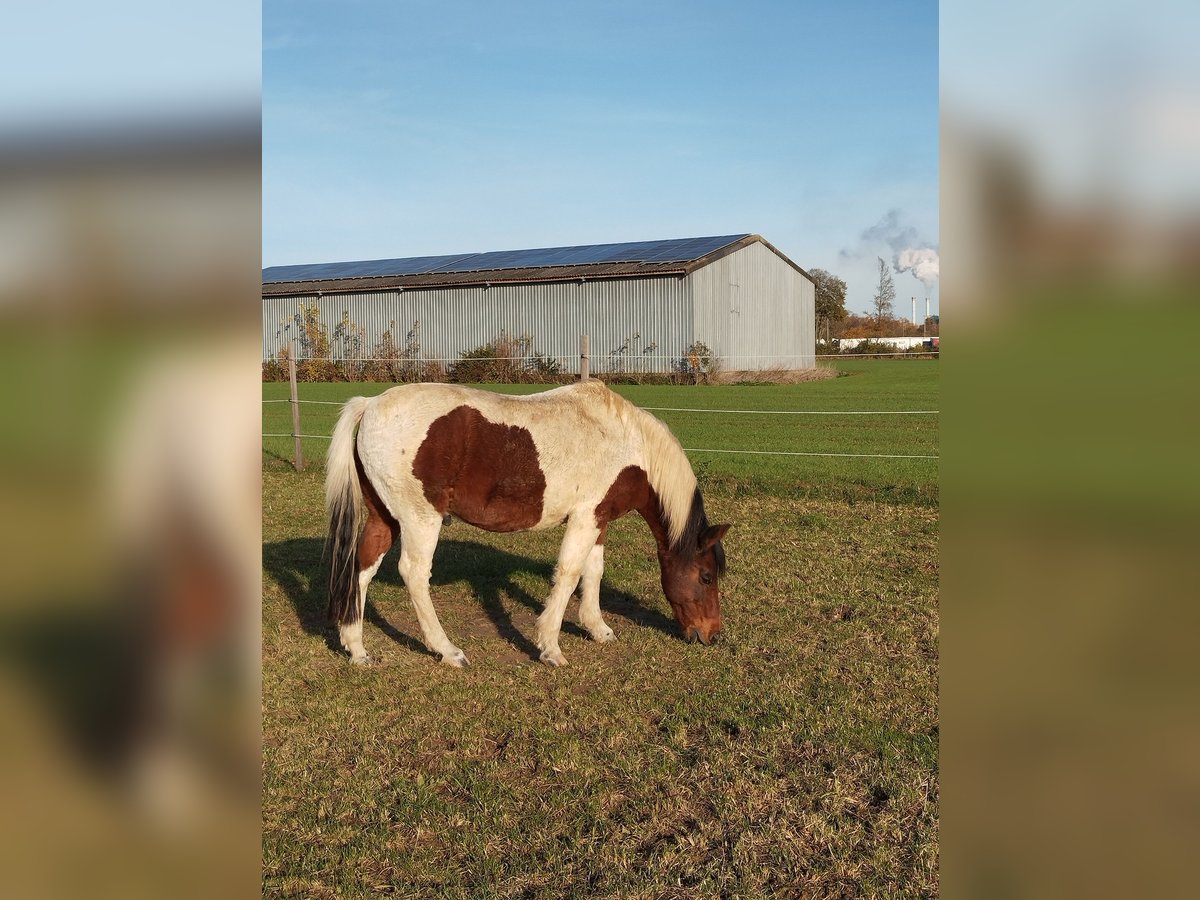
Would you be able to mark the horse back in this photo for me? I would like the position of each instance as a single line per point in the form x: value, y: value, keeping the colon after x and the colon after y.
x: 497, y: 462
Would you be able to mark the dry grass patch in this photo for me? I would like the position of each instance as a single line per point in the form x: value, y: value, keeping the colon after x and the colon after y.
x: 774, y: 375
x: 797, y: 759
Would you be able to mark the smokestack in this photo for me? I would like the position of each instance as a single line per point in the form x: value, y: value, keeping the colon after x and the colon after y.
x: 914, y: 301
x: 926, y: 307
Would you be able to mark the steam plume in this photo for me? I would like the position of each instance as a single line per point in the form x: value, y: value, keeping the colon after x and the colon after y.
x: 910, y: 252
x: 924, y: 264
x: 892, y: 231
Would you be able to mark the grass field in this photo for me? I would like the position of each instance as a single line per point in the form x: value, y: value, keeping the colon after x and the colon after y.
x: 799, y: 758
x: 869, y: 385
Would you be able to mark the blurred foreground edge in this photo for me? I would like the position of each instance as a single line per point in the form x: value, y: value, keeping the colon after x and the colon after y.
x: 1071, y: 502
x: 129, y: 679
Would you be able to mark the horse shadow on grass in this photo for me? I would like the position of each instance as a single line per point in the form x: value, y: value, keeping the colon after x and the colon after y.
x: 300, y: 568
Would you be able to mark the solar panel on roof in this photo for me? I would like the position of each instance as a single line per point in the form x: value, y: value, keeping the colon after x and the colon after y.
x: 592, y: 254
x: 363, y: 269
x: 677, y: 250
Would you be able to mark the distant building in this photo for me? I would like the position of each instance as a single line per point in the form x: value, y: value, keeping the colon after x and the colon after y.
x: 642, y: 304
x: 896, y: 343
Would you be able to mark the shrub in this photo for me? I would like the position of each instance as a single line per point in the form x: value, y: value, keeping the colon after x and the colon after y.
x: 627, y: 359
x: 919, y: 350
x: 391, y: 362
x: 351, y: 340
x: 318, y: 370
x: 311, y: 334
x: 870, y: 346
x: 507, y: 359
x: 699, y: 363
x: 275, y: 369
x: 312, y: 337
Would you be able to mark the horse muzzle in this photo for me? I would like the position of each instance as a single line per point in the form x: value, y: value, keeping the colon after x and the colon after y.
x: 696, y: 633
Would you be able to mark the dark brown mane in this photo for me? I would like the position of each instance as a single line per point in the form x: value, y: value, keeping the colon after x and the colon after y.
x: 689, y: 541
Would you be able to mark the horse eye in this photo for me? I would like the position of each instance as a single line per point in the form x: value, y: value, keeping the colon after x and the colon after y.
x: 705, y: 578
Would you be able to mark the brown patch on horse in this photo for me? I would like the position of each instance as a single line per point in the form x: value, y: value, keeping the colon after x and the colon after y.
x: 381, y: 529
x: 485, y: 473
x: 631, y: 490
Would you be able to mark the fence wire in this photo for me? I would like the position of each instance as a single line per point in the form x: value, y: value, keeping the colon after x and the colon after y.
x: 910, y: 412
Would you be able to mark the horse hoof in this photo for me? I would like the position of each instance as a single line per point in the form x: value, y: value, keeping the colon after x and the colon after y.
x: 363, y: 660
x: 456, y: 658
x: 603, y: 637
x: 554, y: 659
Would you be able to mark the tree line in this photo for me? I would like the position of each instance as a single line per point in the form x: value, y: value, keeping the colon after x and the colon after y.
x: 833, y: 320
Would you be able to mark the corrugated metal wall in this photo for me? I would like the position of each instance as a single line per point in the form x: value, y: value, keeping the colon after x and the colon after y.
x: 755, y: 311
x: 751, y: 308
x: 634, y: 325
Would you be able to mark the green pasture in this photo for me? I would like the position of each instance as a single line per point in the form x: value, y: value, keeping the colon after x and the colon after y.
x: 797, y: 759
x: 884, y: 386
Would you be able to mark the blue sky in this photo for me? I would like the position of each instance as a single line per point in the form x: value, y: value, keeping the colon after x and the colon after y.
x: 411, y: 128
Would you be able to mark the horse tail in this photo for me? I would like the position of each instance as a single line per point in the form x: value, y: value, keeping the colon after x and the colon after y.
x: 344, y: 505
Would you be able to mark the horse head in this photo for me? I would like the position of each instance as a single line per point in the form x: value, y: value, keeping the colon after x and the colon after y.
x: 689, y: 579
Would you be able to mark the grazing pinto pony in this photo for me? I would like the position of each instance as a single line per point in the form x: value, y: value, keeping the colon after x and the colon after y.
x: 403, y: 463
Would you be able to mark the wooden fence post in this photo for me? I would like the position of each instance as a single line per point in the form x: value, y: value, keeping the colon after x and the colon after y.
x: 295, y: 408
x: 583, y: 357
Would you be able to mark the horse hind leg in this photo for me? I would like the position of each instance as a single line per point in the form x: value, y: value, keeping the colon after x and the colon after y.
x: 417, y: 543
x: 589, y: 601
x: 378, y: 535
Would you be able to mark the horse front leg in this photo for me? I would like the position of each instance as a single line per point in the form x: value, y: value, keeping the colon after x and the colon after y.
x: 589, y: 597
x: 577, y: 544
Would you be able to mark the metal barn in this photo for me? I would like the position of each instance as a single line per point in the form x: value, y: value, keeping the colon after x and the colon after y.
x: 642, y: 304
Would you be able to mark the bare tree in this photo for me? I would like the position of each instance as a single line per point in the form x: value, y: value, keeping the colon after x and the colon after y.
x: 884, y: 294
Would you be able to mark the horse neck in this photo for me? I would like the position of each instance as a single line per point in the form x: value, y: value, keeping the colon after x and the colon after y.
x: 670, y: 477
x: 652, y: 513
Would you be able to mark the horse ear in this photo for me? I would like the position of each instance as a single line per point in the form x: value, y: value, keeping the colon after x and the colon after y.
x: 711, y: 535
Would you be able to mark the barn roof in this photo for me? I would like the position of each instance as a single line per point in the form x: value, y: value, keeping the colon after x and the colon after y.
x: 588, y: 261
